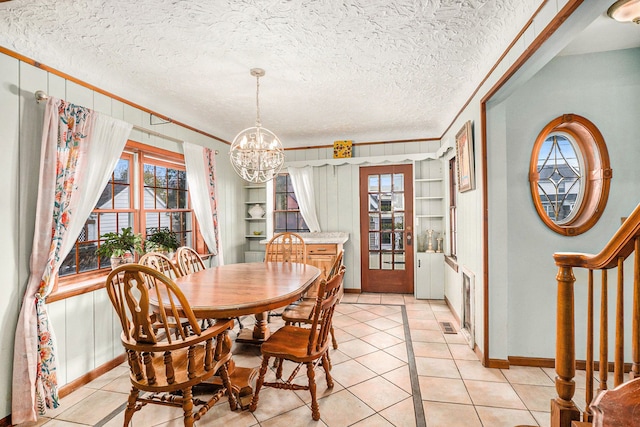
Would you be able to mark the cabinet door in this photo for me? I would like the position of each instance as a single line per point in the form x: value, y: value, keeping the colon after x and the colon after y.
x: 323, y: 262
x: 429, y: 276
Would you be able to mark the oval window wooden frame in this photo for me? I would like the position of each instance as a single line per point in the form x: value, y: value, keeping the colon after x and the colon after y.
x: 597, y: 174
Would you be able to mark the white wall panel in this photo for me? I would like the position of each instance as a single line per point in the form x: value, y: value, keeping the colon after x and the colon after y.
x: 105, y: 338
x: 9, y: 220
x: 79, y: 95
x: 80, y: 350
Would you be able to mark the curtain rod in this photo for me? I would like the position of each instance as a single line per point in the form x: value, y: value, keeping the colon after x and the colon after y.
x: 43, y: 96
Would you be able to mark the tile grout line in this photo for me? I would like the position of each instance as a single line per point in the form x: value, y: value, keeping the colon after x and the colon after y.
x: 413, y: 373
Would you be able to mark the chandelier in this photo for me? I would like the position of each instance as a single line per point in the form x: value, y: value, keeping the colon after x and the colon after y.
x: 256, y: 153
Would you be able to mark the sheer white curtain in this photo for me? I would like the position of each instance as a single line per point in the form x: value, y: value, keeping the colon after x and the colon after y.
x: 302, y: 181
x: 80, y: 149
x: 201, y: 176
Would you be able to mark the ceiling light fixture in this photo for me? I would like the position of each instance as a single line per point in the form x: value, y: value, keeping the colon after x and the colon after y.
x: 625, y: 11
x: 256, y: 153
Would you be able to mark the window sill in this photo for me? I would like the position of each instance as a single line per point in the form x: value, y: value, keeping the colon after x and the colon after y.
x: 452, y: 262
x: 72, y: 289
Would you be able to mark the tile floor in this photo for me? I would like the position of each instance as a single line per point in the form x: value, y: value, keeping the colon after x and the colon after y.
x: 375, y: 369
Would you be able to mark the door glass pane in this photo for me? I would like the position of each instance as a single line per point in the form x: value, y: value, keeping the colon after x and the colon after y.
x: 399, y: 265
x: 398, y: 182
x: 386, y: 221
x: 374, y: 222
x: 374, y: 261
x: 398, y: 241
x: 387, y: 261
x: 374, y: 241
x: 374, y: 202
x: 385, y: 183
x: 374, y: 183
x: 385, y: 241
x: 398, y: 201
x: 385, y: 202
x: 398, y: 221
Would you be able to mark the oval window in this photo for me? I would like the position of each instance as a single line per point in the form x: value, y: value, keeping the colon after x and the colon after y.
x: 570, y: 174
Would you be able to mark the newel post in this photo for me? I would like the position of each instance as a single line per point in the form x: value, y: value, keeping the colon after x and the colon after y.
x: 563, y: 410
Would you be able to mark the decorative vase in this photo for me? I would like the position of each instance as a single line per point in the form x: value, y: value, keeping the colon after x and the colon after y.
x: 430, y: 241
x: 256, y: 211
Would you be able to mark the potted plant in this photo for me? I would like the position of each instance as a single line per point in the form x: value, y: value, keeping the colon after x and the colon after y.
x: 162, y: 239
x: 120, y: 247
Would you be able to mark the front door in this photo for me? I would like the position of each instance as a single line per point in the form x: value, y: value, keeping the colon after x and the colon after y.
x: 386, y: 228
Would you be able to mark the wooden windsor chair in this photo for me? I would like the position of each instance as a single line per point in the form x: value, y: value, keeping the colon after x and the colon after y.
x: 190, y: 261
x: 285, y: 247
x: 163, y: 365
x: 304, y: 346
x: 302, y: 311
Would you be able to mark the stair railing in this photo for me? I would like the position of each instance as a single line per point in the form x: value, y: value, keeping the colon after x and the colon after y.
x: 626, y: 241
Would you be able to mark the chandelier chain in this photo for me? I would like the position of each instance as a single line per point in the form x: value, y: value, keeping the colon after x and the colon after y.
x: 258, y: 122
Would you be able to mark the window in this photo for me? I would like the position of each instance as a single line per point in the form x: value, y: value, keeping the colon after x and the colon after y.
x: 570, y: 175
x: 165, y: 197
x: 453, y: 219
x: 287, y: 216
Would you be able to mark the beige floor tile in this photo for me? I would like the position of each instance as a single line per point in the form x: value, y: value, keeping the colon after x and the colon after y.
x: 501, y: 417
x: 397, y: 331
x: 401, y: 414
x: 357, y: 348
x: 430, y: 367
x: 299, y: 417
x: 359, y: 330
x: 397, y: 317
x: 364, y: 315
x: 341, y: 335
x: 543, y: 418
x: 527, y: 375
x: 336, y: 356
x: 60, y: 423
x: 350, y: 297
x: 343, y: 409
x: 536, y: 397
x: 431, y: 349
x: 273, y: 402
x: 428, y: 324
x: 374, y: 420
x: 106, y: 378
x: 382, y: 339
x: 383, y: 323
x: 369, y: 299
x: 449, y: 390
x: 420, y: 314
x: 385, y: 310
x: 439, y: 414
x: 321, y: 386
x: 499, y: 395
x: 392, y: 299
x: 121, y: 384
x: 462, y: 352
x: 400, y: 377
x: 425, y: 335
x: 380, y: 362
x: 378, y: 393
x: 343, y: 320
x: 350, y: 373
x: 39, y: 422
x: 344, y: 308
x: 399, y: 350
x: 70, y: 400
x: 455, y: 338
x: 93, y: 408
x: 473, y: 370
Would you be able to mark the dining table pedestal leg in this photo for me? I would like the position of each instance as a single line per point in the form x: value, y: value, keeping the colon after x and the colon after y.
x: 258, y: 334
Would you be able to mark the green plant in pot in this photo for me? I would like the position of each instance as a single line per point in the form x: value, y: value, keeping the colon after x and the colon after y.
x: 162, y: 239
x: 120, y: 247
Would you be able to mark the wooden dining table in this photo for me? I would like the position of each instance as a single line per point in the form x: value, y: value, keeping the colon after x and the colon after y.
x: 235, y: 290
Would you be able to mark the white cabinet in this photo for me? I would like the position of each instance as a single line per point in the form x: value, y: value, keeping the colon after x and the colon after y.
x: 255, y: 225
x: 429, y: 282
x: 429, y: 208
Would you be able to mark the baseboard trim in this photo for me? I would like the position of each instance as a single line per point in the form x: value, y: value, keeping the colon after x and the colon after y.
x: 497, y: 364
x: 538, y: 362
x: 352, y: 291
x: 90, y: 376
x: 455, y: 315
x: 6, y: 421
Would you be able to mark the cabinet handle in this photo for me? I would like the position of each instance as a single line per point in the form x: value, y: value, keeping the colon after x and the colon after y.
x: 321, y: 249
x: 419, y: 263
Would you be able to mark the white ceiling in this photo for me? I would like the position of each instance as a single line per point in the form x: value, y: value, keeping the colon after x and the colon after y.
x: 367, y: 70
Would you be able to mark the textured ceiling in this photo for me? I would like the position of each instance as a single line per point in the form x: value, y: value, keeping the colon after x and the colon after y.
x: 367, y: 70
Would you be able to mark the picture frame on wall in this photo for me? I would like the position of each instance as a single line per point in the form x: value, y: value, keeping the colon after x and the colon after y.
x: 465, y: 158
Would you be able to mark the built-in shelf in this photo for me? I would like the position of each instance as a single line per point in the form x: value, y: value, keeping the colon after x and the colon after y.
x: 428, y: 179
x: 259, y: 202
x: 254, y: 195
x: 429, y: 216
x: 253, y: 236
x: 429, y: 198
x: 255, y: 219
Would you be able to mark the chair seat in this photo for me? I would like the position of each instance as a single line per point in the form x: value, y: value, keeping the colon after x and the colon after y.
x: 290, y: 342
x: 180, y: 370
x: 299, y: 311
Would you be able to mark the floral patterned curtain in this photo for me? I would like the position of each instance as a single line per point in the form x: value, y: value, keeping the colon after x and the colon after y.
x: 79, y: 151
x: 201, y: 176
